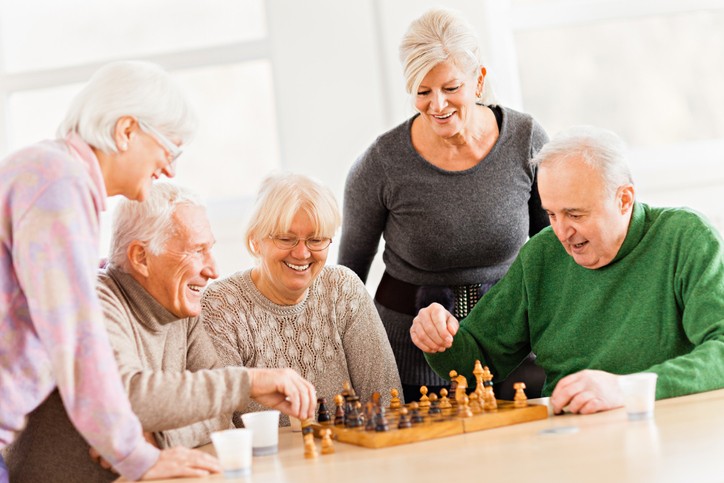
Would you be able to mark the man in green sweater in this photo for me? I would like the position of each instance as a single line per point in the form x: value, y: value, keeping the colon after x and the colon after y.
x: 612, y: 287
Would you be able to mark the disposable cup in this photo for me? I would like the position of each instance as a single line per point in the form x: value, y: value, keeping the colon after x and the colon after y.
x: 233, y: 448
x: 265, y: 426
x: 639, y: 394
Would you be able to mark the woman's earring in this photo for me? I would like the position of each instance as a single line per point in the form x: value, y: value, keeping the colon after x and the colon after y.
x: 124, y: 146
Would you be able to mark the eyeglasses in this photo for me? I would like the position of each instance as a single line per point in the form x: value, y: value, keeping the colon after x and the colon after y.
x: 315, y: 244
x: 170, y: 147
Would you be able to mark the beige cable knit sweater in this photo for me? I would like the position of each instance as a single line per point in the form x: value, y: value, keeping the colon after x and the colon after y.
x: 333, y: 336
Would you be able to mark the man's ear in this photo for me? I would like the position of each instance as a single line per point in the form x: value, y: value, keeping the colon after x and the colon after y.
x: 626, y: 197
x: 137, y: 256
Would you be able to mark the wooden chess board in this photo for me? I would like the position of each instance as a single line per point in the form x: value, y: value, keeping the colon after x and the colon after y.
x: 435, y: 426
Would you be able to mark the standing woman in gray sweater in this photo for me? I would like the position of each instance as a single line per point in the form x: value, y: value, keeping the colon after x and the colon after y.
x: 450, y: 189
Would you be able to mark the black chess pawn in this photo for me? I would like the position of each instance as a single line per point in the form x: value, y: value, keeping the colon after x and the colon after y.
x: 434, y: 407
x: 339, y: 413
x: 323, y: 414
x: 352, y: 416
x: 404, y: 421
x: 381, y: 423
x: 415, y: 416
x: 370, y: 416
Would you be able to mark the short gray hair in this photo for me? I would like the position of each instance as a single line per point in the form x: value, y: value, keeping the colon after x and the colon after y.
x: 149, y: 221
x: 128, y: 88
x: 599, y: 148
x: 281, y: 197
x: 437, y: 36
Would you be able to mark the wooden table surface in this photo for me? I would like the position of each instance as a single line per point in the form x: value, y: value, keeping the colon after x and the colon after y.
x: 684, y: 442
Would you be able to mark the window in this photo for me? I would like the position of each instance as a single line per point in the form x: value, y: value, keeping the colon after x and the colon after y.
x: 217, y: 49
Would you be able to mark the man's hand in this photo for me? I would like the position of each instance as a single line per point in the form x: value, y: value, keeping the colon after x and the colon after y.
x: 587, y: 392
x: 285, y: 390
x: 434, y: 328
x: 182, y: 462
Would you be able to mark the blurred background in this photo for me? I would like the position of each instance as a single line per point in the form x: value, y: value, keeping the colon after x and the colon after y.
x: 306, y: 86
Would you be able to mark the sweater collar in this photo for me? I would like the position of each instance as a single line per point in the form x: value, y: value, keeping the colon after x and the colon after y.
x: 635, y: 232
x: 147, y: 310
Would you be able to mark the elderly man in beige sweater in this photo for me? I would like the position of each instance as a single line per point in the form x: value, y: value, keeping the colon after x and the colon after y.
x: 160, y: 263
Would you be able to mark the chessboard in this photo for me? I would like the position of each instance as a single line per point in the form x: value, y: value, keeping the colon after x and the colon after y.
x: 432, y: 417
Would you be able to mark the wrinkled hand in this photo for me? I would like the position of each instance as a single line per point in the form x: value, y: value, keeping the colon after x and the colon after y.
x: 285, y: 390
x: 434, y: 328
x: 587, y: 392
x: 182, y: 462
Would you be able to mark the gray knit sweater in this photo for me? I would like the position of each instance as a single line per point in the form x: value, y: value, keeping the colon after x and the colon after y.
x: 440, y: 227
x: 334, y: 335
x: 164, y: 364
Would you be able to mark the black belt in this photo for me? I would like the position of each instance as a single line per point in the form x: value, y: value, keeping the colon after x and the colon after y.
x: 408, y: 298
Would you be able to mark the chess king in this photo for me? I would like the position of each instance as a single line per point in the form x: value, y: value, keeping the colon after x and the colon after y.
x: 613, y: 287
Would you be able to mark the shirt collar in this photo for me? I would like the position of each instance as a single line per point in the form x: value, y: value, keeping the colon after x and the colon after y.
x: 635, y: 232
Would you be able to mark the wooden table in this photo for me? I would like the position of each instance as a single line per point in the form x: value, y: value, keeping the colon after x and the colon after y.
x: 684, y: 442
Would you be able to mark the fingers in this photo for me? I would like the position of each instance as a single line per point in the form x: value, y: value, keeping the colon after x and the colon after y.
x: 285, y: 390
x: 566, y: 389
x: 586, y: 392
x: 433, y: 329
x: 180, y: 461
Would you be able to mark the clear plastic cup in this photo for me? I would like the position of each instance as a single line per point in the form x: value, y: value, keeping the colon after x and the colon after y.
x: 639, y: 394
x: 265, y: 425
x: 233, y: 448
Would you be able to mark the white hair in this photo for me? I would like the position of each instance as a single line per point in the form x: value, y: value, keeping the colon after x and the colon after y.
x: 599, y: 148
x: 281, y: 197
x: 149, y: 222
x: 440, y: 35
x: 128, y: 88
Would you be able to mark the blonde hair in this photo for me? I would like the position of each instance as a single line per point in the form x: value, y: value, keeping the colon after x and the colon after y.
x: 128, y: 88
x: 281, y: 197
x: 440, y: 35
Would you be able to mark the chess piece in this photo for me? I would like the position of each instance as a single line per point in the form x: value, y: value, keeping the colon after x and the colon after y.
x: 323, y: 414
x: 370, y: 412
x: 478, y: 373
x: 347, y: 390
x: 352, y: 415
x: 444, y: 400
x: 475, y: 404
x: 395, y: 401
x: 520, y: 399
x: 434, y: 405
x: 381, y: 423
x: 339, y: 413
x: 464, y: 407
x: 310, y: 450
x: 415, y: 416
x: 376, y: 398
x: 489, y: 402
x: 327, y: 445
x: 453, y: 386
x: 460, y: 388
x: 404, y: 421
x: 424, y: 400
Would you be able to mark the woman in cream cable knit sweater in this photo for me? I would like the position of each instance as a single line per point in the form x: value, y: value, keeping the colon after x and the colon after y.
x: 291, y: 310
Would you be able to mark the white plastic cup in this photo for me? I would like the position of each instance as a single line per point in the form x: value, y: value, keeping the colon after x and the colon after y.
x: 265, y: 426
x: 233, y: 448
x: 639, y: 394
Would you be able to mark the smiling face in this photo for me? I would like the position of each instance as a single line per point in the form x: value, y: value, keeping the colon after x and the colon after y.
x: 284, y: 276
x: 446, y: 99
x: 141, y: 159
x: 587, y: 219
x: 177, y: 276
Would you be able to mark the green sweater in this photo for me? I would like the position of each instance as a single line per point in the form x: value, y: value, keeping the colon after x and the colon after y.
x: 658, y: 306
